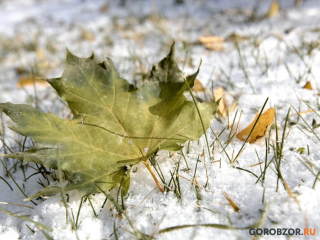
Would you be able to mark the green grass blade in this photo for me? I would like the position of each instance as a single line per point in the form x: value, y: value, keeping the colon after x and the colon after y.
x: 39, y: 225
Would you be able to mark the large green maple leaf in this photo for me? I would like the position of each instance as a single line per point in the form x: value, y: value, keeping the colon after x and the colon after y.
x: 114, y: 124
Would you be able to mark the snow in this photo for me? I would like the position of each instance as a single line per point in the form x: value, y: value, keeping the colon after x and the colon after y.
x: 146, y: 29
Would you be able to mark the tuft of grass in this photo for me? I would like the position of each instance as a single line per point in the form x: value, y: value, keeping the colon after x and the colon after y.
x: 278, y: 148
x: 157, y: 168
x: 257, y: 224
x: 243, y: 67
x: 136, y: 232
x: 223, y: 147
x: 40, y: 226
x: 8, y: 172
x: 63, y: 196
x: 308, y: 126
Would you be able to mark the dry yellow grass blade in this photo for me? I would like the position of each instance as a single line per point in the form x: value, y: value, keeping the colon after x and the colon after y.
x: 308, y: 85
x: 303, y: 112
x: 214, y: 43
x: 231, y: 202
x: 26, y: 81
x: 260, y: 129
x: 292, y: 195
x: 273, y: 10
x: 222, y: 109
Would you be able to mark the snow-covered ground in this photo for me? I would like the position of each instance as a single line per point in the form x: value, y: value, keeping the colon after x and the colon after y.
x: 279, y: 55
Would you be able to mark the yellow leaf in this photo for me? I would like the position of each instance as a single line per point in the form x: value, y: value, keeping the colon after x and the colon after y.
x: 308, y: 86
x: 260, y: 129
x: 222, y: 109
x: 25, y: 81
x: 273, y: 10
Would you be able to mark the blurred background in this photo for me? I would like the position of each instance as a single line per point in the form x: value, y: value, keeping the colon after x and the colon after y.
x: 34, y: 34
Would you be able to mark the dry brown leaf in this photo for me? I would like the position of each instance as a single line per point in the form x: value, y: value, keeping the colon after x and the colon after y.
x: 198, y: 87
x: 222, y: 109
x: 260, y: 129
x: 214, y: 43
x: 273, y: 10
x: 308, y: 85
x: 26, y: 81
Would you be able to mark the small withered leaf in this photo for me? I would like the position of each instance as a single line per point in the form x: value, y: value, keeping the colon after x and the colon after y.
x: 308, y: 86
x: 260, y: 129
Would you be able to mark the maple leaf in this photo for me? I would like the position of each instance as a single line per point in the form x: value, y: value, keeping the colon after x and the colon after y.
x: 114, y: 124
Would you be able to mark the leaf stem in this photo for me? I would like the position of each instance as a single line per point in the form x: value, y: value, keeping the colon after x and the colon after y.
x: 154, y: 176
